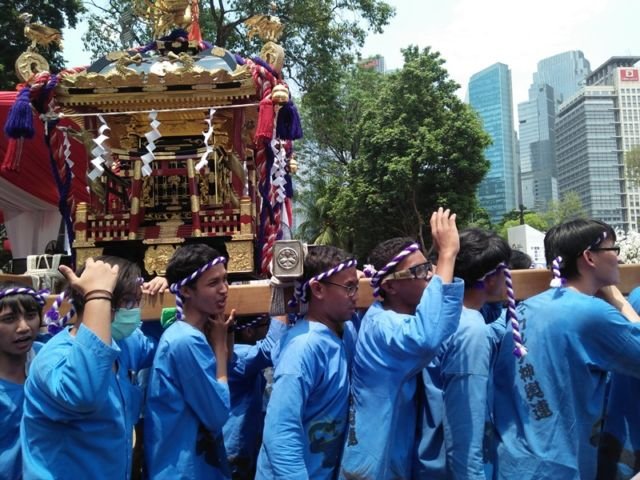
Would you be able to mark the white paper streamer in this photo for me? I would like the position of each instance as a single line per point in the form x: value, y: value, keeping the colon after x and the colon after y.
x: 66, y: 150
x: 278, y: 169
x: 151, y: 136
x: 99, y: 152
x: 207, y: 141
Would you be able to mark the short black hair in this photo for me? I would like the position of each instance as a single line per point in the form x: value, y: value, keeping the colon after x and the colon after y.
x: 480, y: 252
x: 187, y: 259
x: 386, y: 251
x: 519, y: 260
x: 569, y: 239
x: 20, y: 302
x: 127, y: 282
x: 320, y: 258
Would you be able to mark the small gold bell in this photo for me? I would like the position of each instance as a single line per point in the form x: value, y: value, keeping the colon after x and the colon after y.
x: 293, y: 165
x: 280, y: 94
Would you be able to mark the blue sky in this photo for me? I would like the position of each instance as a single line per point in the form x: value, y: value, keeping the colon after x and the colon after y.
x: 473, y: 34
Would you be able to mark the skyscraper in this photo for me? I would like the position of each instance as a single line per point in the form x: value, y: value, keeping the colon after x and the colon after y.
x: 538, y: 175
x: 565, y: 73
x: 594, y: 130
x: 557, y: 79
x: 491, y: 96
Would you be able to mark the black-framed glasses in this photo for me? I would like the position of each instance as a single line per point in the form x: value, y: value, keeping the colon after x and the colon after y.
x: 418, y: 272
x: 351, y: 289
x: 607, y: 249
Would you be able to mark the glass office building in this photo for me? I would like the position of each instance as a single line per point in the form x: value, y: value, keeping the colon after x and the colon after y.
x: 557, y: 79
x: 565, y: 73
x: 490, y: 95
x: 594, y: 130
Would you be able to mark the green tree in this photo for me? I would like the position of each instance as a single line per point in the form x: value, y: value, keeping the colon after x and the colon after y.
x: 568, y: 208
x: 632, y: 164
x: 318, y: 37
x: 57, y: 14
x: 314, y: 205
x: 421, y: 147
x: 532, y: 219
x: 331, y: 120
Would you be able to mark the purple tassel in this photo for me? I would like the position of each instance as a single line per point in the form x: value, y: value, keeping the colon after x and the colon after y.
x: 20, y: 120
x: 289, y: 126
x: 41, y: 101
x: 264, y: 64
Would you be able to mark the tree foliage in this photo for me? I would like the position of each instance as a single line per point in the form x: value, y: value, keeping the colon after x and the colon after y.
x: 318, y: 37
x: 416, y: 147
x: 314, y: 207
x: 569, y: 207
x: 57, y: 14
x: 632, y: 164
x: 331, y: 119
x: 533, y: 219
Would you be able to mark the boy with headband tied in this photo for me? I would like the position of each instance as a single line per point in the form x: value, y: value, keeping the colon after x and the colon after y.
x: 20, y: 318
x: 307, y: 414
x: 548, y: 404
x: 398, y: 337
x: 188, y: 396
x: 454, y: 404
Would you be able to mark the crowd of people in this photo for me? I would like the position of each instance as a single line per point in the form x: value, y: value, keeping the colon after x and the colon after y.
x: 440, y: 378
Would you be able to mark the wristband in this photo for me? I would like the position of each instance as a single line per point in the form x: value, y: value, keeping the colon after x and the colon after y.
x: 103, y: 292
x: 98, y: 298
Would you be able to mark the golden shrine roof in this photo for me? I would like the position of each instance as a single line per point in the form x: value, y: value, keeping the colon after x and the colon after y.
x: 174, y: 73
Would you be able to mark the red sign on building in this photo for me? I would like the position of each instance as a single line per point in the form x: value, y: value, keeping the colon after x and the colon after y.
x: 629, y: 75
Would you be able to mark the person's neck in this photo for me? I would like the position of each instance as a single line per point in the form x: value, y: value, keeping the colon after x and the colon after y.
x: 315, y: 314
x: 12, y: 367
x: 195, y: 318
x: 474, y: 299
x: 583, y: 284
x: 402, y: 308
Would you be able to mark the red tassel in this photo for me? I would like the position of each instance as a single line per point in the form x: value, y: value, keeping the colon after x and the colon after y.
x: 194, y: 29
x: 195, y: 34
x: 265, y: 119
x: 12, y: 156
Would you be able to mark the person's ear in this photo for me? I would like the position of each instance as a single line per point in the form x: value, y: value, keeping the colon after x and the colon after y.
x: 587, y: 255
x: 186, y: 292
x: 389, y: 288
x: 317, y: 289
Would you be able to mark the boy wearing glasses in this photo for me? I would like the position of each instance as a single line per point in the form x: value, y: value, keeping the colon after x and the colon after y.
x: 398, y: 337
x: 548, y: 404
x: 453, y: 408
x: 307, y: 413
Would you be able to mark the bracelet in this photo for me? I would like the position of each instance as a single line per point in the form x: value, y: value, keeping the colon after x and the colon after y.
x: 98, y: 298
x: 103, y: 292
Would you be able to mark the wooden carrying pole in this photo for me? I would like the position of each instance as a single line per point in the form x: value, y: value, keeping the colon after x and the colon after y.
x: 255, y: 299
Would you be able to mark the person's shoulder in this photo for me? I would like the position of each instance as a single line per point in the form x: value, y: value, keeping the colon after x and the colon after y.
x: 472, y: 320
x: 61, y: 341
x: 472, y: 330
x: 303, y: 339
x: 634, y: 298
x: 181, y: 337
x: 181, y: 332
